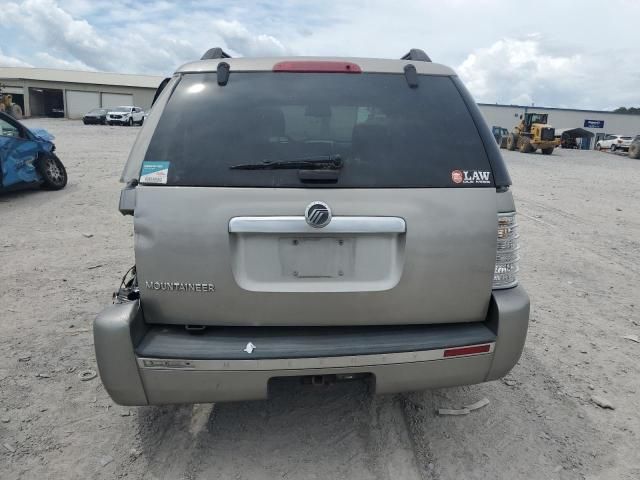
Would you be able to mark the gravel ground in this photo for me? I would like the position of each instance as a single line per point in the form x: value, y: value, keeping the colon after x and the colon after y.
x: 63, y: 253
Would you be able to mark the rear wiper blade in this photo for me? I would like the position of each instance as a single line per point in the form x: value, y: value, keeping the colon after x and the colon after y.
x: 323, y: 162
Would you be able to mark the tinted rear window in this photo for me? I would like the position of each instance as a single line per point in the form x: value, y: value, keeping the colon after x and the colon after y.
x: 388, y: 135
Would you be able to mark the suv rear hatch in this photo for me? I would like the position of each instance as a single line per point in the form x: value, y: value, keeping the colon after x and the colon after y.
x: 221, y: 236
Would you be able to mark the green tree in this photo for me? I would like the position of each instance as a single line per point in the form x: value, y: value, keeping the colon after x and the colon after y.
x: 630, y: 110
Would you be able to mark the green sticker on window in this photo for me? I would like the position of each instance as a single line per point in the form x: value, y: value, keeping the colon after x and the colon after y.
x: 154, y: 172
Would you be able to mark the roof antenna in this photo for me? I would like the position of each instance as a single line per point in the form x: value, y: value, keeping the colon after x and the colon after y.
x: 416, y: 54
x: 214, y: 53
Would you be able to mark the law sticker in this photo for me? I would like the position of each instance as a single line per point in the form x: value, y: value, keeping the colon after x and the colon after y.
x: 154, y: 172
x: 471, y: 176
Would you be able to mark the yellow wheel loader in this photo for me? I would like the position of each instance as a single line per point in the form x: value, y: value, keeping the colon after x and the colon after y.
x: 533, y: 133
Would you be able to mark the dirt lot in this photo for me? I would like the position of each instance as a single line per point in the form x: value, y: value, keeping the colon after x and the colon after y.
x: 63, y: 253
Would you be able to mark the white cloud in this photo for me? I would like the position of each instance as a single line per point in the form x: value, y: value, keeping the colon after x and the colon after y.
x: 8, y: 61
x: 240, y: 40
x: 46, y: 60
x: 531, y: 70
x: 136, y: 38
x: 518, y: 71
x: 51, y: 26
x: 584, y: 63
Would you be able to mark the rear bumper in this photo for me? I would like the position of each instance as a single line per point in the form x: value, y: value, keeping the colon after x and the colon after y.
x: 93, y: 120
x: 142, y: 365
x: 117, y: 121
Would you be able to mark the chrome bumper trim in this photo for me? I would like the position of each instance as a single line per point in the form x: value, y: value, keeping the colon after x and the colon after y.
x: 298, y: 224
x: 300, y: 363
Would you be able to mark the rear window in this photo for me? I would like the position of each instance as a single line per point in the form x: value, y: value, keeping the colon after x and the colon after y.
x: 387, y: 134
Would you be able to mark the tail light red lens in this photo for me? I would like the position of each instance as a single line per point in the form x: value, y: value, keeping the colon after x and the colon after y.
x: 317, y: 66
x: 471, y: 350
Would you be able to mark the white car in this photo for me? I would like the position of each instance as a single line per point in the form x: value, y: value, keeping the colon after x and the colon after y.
x: 614, y: 142
x: 125, y: 115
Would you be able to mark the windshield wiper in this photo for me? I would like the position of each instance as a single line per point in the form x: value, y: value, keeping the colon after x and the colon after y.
x: 322, y: 162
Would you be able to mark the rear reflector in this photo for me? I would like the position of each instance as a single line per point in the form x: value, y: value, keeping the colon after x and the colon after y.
x: 317, y: 67
x: 472, y: 350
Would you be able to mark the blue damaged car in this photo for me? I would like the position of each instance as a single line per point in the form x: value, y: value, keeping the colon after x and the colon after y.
x: 27, y: 157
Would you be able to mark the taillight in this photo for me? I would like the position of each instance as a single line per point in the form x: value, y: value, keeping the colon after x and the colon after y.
x: 470, y: 350
x: 317, y: 66
x: 505, y: 274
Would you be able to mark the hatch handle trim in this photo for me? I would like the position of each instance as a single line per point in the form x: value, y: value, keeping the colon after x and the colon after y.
x: 298, y: 224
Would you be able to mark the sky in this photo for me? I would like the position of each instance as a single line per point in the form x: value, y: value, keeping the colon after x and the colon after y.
x: 556, y: 53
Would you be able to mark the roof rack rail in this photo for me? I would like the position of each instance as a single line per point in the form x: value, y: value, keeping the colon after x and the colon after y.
x: 417, y: 54
x: 213, y: 53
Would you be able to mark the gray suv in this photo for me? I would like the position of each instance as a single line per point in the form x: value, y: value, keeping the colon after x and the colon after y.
x: 304, y: 217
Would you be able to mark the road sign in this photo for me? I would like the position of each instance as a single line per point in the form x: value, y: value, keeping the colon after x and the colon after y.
x: 594, y: 124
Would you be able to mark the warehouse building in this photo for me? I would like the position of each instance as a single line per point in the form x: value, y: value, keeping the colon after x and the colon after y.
x: 71, y: 94
x: 597, y: 122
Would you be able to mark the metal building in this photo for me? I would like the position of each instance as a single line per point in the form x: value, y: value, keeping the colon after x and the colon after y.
x: 71, y: 94
x: 599, y: 123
